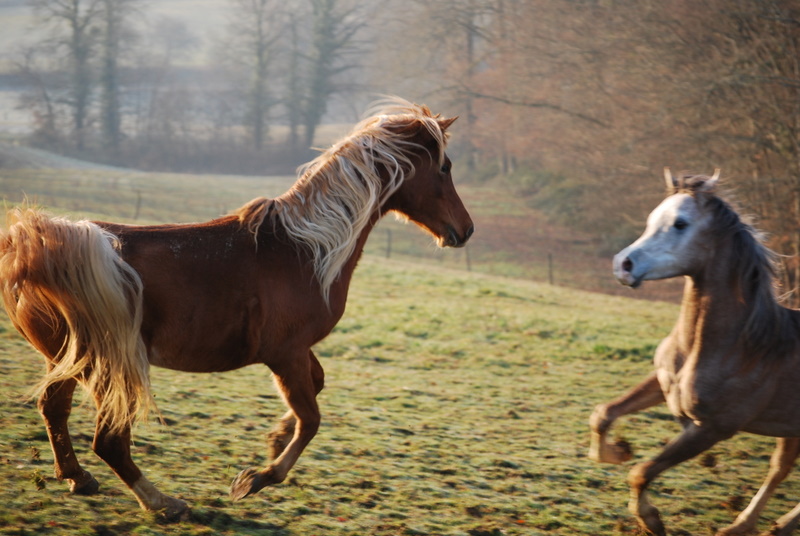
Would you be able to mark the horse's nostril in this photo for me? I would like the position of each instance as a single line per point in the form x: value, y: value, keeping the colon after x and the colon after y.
x: 469, y: 232
x: 627, y: 265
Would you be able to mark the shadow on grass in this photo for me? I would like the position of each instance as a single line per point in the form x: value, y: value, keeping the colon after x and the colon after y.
x: 222, y: 521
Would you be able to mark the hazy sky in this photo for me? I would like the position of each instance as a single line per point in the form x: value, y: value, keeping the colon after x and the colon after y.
x: 204, y: 18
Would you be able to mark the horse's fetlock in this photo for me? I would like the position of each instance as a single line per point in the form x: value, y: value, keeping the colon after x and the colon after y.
x: 637, y: 477
x: 273, y: 476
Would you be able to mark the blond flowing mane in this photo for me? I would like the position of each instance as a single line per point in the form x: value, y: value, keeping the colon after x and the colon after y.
x: 339, y: 191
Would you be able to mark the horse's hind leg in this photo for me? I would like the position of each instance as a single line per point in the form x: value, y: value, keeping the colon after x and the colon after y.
x: 645, y: 395
x: 282, y: 434
x: 55, y: 405
x: 295, y: 380
x: 114, y: 448
x: 786, y: 524
x: 780, y: 465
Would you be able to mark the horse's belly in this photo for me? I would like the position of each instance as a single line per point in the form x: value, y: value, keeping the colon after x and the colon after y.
x: 780, y: 418
x: 228, y: 355
x: 773, y: 428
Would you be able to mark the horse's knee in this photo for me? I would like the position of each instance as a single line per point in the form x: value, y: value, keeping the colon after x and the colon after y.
x: 599, y: 421
x: 317, y: 374
x: 318, y: 377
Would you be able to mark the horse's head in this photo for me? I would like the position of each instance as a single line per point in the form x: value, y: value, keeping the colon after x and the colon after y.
x: 427, y: 196
x: 676, y: 240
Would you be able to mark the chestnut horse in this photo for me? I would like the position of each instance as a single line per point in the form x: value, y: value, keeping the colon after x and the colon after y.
x: 103, y: 301
x: 732, y: 361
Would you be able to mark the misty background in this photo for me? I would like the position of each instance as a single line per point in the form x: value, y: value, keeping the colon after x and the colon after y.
x: 574, y: 105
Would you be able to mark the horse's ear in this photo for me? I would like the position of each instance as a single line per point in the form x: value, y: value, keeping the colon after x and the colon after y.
x: 710, y: 184
x: 444, y: 124
x: 714, y: 180
x: 669, y: 180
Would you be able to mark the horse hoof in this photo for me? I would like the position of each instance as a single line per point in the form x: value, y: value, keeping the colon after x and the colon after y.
x: 246, y: 483
x: 622, y: 451
x: 175, y: 510
x: 652, y: 525
x: 87, y: 485
x: 616, y: 453
x: 737, y: 530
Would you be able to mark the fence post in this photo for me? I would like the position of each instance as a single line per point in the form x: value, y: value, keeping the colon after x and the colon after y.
x: 388, y: 243
x: 138, y: 205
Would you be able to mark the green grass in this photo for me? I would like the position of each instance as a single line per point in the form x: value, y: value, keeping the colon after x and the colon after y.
x: 456, y: 403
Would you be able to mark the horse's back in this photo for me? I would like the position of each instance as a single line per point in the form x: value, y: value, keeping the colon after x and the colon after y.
x: 214, y: 298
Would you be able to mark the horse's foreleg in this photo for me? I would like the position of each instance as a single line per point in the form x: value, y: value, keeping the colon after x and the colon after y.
x: 114, y: 448
x: 296, y: 384
x: 280, y: 436
x: 55, y: 405
x: 693, y: 440
x: 645, y: 395
x: 780, y: 465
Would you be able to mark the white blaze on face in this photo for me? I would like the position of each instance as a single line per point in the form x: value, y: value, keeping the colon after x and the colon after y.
x: 668, y: 246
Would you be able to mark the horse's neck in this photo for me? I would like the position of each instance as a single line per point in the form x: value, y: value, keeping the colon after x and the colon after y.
x: 711, y: 312
x: 341, y: 286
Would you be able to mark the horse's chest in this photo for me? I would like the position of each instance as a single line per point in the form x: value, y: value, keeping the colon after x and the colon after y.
x: 708, y: 392
x: 690, y: 392
x: 676, y: 393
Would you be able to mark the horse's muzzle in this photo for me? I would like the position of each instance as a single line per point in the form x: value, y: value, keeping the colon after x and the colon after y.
x: 454, y: 240
x: 624, y: 271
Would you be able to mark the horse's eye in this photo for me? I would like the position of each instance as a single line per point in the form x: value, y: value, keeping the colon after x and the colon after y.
x: 445, y: 168
x: 680, y: 224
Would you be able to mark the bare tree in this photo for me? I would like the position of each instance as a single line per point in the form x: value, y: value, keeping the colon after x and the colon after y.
x: 39, y: 100
x: 109, y: 74
x: 293, y: 98
x: 459, y: 30
x: 335, y: 26
x: 73, y: 23
x: 254, y: 30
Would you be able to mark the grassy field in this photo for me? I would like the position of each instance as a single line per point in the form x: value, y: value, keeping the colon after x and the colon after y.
x: 456, y: 403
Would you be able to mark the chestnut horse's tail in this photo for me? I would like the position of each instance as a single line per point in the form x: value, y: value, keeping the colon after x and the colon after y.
x: 68, y: 291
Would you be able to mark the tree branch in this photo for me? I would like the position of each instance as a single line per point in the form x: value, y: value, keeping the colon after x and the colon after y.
x: 537, y: 104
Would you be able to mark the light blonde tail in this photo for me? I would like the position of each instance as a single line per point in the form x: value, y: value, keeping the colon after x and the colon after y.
x: 68, y: 291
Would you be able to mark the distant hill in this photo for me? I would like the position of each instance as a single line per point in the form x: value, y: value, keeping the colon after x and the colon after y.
x: 16, y: 156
